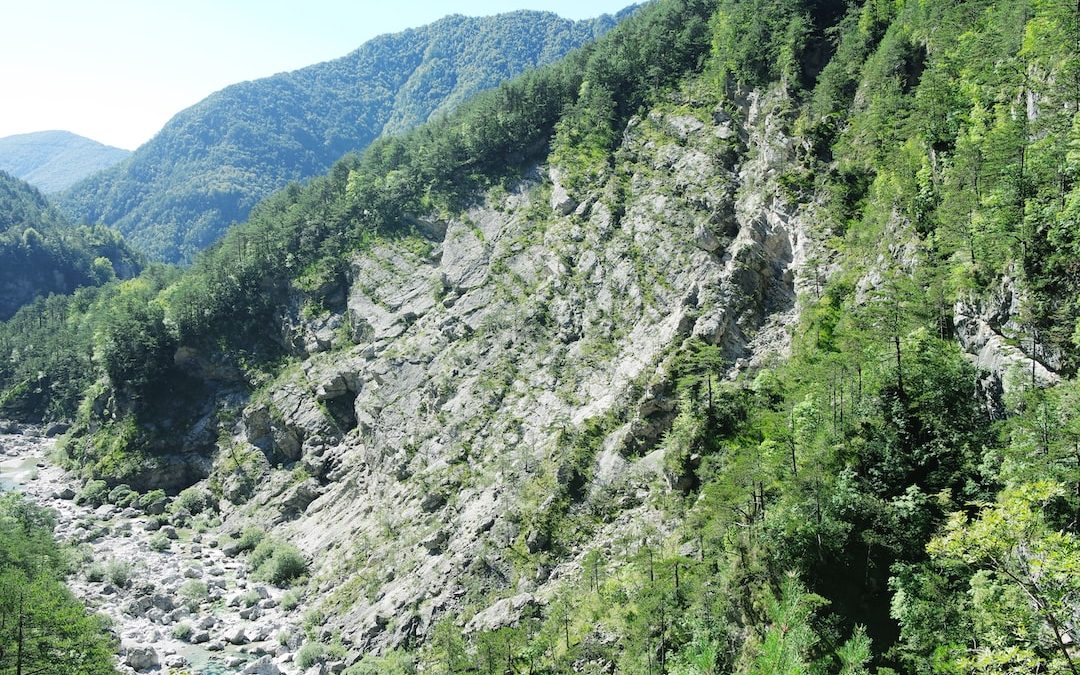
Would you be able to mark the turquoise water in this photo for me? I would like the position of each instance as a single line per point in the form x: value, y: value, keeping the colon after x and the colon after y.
x: 15, y: 472
x: 204, y: 662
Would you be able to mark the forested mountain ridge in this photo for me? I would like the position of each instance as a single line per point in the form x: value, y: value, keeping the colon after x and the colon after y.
x: 742, y: 340
x: 41, y: 253
x: 212, y: 162
x: 55, y: 160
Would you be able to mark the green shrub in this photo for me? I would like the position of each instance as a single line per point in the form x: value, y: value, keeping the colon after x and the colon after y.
x: 250, y: 538
x: 118, y: 573
x: 193, y: 593
x: 194, y: 500
x: 153, y: 502
x: 250, y: 598
x: 193, y: 590
x: 314, y: 617
x: 95, y: 572
x: 313, y: 653
x: 392, y: 663
x: 159, y: 542
x: 262, y: 552
x: 122, y: 495
x: 290, y: 601
x: 182, y: 631
x: 283, y: 566
x: 94, y: 493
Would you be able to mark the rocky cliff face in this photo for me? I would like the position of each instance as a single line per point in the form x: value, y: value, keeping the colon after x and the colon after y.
x: 433, y: 416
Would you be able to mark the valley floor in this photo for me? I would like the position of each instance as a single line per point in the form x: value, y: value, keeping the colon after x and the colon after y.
x: 225, y: 635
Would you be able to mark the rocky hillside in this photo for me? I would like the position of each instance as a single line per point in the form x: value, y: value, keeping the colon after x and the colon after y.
x: 212, y: 162
x: 55, y: 160
x: 743, y: 340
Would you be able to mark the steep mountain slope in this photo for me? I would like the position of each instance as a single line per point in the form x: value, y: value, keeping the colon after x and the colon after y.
x: 55, y: 160
x: 743, y: 340
x: 211, y: 163
x: 41, y: 253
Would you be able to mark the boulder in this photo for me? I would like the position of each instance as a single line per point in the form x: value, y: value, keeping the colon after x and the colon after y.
x: 505, y: 612
x: 141, y: 658
x: 263, y: 666
x: 436, y: 542
x: 236, y: 636
x: 561, y: 201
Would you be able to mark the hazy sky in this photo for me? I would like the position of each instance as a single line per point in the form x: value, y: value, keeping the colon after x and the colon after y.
x: 117, y: 70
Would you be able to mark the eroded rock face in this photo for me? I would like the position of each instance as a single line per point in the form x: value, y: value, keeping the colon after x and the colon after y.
x: 989, y: 331
x: 471, y: 352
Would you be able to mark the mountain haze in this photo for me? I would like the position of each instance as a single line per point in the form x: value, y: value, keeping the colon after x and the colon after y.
x: 54, y: 160
x: 212, y: 162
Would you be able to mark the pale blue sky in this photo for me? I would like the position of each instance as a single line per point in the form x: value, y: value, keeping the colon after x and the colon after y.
x: 117, y: 70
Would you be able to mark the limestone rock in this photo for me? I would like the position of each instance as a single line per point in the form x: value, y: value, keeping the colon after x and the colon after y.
x: 141, y: 657
x: 263, y: 666
x: 237, y: 636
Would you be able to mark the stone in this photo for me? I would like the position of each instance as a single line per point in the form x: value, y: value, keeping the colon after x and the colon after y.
x: 432, y: 501
x: 176, y: 661
x: 561, y: 201
x: 436, y: 542
x: 505, y: 612
x: 65, y: 493
x: 55, y: 429
x: 237, y: 636
x: 263, y: 666
x: 706, y: 240
x: 141, y: 658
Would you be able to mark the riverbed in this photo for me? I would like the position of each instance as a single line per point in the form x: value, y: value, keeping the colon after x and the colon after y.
x: 237, y: 626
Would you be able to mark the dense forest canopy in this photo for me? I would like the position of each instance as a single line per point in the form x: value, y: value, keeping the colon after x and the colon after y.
x: 41, y: 253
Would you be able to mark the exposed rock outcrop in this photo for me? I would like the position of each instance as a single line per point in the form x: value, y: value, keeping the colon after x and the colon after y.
x: 472, y: 351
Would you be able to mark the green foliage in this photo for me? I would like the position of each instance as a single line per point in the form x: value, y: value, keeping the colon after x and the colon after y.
x: 159, y: 542
x: 194, y: 500
x: 277, y: 562
x: 290, y: 601
x: 250, y: 598
x: 869, y: 504
x: 394, y: 662
x: 251, y: 537
x: 153, y: 501
x: 789, y: 638
x: 1023, y: 594
x: 43, y: 629
x: 94, y: 493
x: 314, y: 653
x: 182, y: 631
x: 118, y: 573
x: 193, y: 592
x: 41, y: 253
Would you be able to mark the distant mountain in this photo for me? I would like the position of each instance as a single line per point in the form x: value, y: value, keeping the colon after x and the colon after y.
x: 55, y: 160
x: 42, y: 253
x: 212, y: 162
